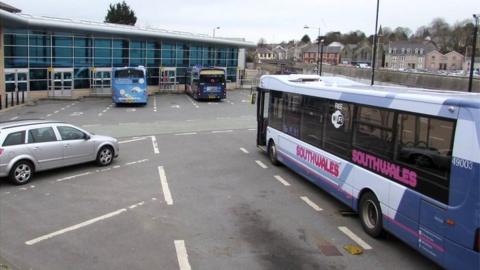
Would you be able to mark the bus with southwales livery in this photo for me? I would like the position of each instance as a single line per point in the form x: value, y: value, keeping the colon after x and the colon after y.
x: 206, y: 83
x: 129, y: 85
x: 406, y: 160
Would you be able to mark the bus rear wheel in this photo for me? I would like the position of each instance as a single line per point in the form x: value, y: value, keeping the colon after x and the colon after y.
x: 272, y: 153
x: 371, y: 215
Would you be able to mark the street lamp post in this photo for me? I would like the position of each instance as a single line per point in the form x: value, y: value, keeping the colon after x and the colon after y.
x: 375, y: 45
x: 318, y: 49
x: 217, y: 27
x: 321, y: 57
x: 474, y: 48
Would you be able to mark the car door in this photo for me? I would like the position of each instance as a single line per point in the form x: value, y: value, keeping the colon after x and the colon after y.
x: 77, y: 146
x: 45, y: 147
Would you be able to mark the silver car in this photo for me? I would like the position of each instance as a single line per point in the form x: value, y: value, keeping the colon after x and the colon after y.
x: 29, y: 146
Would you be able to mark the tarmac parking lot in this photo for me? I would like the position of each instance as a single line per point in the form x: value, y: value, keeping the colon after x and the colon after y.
x: 190, y: 190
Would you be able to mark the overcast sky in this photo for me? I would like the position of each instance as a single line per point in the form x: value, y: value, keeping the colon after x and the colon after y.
x: 274, y: 20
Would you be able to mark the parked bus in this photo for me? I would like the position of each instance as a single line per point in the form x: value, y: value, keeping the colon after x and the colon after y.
x: 206, y: 83
x: 407, y: 160
x: 129, y: 85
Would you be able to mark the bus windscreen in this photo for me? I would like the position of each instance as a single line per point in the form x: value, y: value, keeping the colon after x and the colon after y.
x: 128, y: 73
x: 217, y: 78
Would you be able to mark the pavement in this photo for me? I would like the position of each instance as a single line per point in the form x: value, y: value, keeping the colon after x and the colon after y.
x: 190, y: 190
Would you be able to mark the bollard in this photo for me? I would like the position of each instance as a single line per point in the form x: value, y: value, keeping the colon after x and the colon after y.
x: 23, y: 96
x: 0, y: 102
x: 12, y: 103
x: 6, y: 100
x: 18, y: 100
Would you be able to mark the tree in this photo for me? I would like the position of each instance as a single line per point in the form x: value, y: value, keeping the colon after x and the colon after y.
x: 261, y: 42
x: 305, y: 39
x: 120, y: 13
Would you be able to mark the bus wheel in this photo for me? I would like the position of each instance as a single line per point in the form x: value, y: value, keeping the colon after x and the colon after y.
x: 272, y: 153
x: 371, y: 215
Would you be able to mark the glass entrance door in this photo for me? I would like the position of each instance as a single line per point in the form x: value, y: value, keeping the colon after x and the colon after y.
x: 168, y: 78
x: 16, y: 80
x: 101, y: 81
x: 61, y: 82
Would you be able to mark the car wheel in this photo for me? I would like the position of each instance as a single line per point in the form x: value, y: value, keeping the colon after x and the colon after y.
x: 272, y: 153
x: 21, y: 173
x: 105, y: 156
x: 371, y: 214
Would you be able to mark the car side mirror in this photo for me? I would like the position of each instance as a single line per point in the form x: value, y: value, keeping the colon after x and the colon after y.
x: 86, y: 137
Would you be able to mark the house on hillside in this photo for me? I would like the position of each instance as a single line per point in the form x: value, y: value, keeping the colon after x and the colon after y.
x: 436, y: 61
x: 401, y: 55
x: 331, y: 54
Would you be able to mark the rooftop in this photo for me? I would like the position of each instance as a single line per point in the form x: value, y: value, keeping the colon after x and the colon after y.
x: 29, y: 21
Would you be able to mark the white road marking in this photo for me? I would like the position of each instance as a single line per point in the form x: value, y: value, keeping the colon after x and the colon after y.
x: 131, y: 110
x: 182, y: 255
x: 131, y: 163
x: 186, y: 133
x: 55, y: 112
x: 193, y: 102
x: 62, y: 109
x: 73, y: 176
x: 14, y: 118
x: 92, y: 125
x: 190, y: 120
x: 133, y: 140
x: 154, y: 103
x: 222, y: 131
x: 104, y: 111
x: 310, y: 203
x: 76, y: 113
x: 116, y: 166
x: 354, y: 237
x: 166, y: 190
x: 154, y: 199
x: 244, y: 150
x: 155, y: 145
x: 74, y: 227
x: 251, y: 129
x: 175, y: 106
x: 100, y: 114
x: 281, y: 180
x: 48, y: 115
x: 261, y: 164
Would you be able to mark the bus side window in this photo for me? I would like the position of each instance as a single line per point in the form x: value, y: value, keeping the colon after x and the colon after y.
x: 425, y: 145
x: 276, y: 110
x: 337, y: 138
x: 313, y: 116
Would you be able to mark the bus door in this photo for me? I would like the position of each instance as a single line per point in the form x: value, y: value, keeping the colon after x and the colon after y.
x: 263, y: 98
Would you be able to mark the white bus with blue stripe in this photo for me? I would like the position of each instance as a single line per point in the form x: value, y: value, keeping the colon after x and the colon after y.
x: 407, y: 160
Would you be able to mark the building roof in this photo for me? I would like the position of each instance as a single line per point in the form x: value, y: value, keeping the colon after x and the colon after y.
x: 9, y: 8
x: 263, y: 50
x: 326, y: 49
x: 427, y: 46
x: 24, y: 20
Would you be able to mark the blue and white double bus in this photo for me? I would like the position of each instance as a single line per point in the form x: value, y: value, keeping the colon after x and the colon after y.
x: 407, y: 160
x: 206, y: 83
x: 129, y: 85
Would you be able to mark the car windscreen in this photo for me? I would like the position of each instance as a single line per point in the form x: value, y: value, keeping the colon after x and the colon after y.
x: 217, y: 78
x: 129, y: 73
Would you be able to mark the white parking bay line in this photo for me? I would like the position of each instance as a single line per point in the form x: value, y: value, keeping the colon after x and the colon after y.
x: 311, y: 204
x: 281, y: 180
x: 155, y: 145
x: 132, y: 140
x: 244, y: 150
x: 73, y: 176
x: 166, y: 190
x: 182, y: 255
x: 14, y: 118
x: 222, y: 131
x: 74, y: 227
x: 186, y: 133
x: 354, y: 237
x: 261, y: 164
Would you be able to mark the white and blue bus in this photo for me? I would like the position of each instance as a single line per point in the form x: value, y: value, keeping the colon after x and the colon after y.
x: 206, y: 83
x: 407, y: 160
x: 129, y: 85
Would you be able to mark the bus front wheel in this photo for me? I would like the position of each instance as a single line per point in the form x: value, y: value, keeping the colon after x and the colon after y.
x: 371, y: 215
x: 272, y: 153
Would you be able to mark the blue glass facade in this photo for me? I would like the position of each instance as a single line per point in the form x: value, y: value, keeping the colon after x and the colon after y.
x: 37, y: 51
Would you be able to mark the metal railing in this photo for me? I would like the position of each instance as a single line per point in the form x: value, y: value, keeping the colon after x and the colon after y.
x: 10, y: 99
